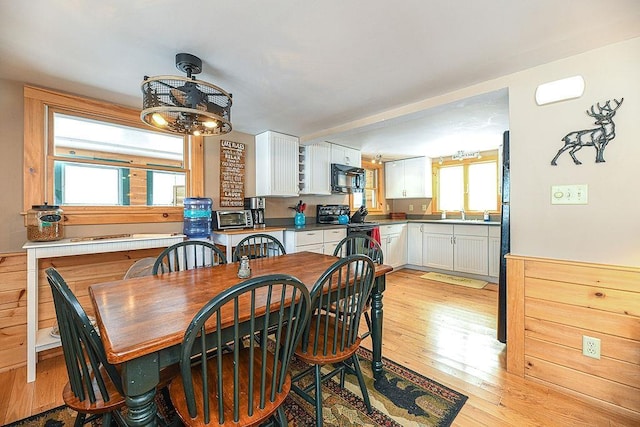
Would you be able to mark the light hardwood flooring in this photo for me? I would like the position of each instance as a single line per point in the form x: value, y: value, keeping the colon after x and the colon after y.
x: 442, y: 331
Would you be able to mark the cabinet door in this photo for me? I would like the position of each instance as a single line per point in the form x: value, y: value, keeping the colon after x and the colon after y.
x: 471, y: 254
x: 317, y: 169
x: 494, y: 256
x: 394, y: 180
x: 352, y: 157
x: 277, y: 164
x: 397, y: 249
x: 417, y: 177
x: 437, y: 250
x: 414, y: 244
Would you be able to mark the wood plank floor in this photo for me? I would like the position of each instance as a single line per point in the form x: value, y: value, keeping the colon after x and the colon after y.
x: 444, y: 332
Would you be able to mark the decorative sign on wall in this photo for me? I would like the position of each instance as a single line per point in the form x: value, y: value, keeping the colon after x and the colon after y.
x: 231, y: 174
x: 597, y: 137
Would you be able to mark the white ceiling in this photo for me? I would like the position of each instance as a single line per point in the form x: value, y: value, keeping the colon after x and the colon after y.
x: 301, y: 67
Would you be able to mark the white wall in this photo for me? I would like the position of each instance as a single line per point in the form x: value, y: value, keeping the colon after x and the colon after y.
x: 607, y: 230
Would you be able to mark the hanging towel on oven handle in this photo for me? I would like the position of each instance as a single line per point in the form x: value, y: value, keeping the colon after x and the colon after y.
x: 375, y: 235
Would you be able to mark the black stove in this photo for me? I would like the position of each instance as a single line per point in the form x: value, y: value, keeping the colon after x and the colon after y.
x: 361, y: 227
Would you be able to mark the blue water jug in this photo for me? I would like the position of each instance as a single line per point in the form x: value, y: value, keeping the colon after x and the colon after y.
x: 197, y: 217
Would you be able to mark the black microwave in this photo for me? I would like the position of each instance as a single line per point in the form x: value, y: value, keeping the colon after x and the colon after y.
x: 346, y: 179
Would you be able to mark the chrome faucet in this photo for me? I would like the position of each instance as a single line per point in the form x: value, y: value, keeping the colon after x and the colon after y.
x: 463, y: 215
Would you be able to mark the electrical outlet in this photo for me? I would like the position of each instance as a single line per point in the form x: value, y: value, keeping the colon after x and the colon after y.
x: 410, y: 208
x: 388, y: 208
x: 424, y: 208
x: 591, y: 347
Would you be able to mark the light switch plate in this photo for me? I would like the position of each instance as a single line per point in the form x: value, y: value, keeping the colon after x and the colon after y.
x: 576, y: 194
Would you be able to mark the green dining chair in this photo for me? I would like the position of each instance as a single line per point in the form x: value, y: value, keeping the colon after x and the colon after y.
x: 188, y: 255
x: 332, y: 338
x: 361, y: 243
x: 258, y: 246
x: 94, y: 389
x: 248, y: 385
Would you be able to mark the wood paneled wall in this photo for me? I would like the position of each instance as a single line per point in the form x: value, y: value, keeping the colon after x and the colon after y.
x: 78, y: 271
x: 551, y: 304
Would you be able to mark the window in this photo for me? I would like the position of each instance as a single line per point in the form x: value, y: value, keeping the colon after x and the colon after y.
x: 470, y: 184
x: 102, y: 164
x: 370, y: 197
x: 87, y: 157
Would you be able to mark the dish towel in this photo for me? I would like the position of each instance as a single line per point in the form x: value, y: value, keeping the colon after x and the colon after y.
x: 375, y: 235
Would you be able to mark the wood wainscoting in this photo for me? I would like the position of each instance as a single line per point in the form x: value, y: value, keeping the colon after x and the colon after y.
x: 552, y: 304
x: 79, y: 271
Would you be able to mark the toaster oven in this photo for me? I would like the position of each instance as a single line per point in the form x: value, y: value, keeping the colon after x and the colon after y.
x: 224, y: 220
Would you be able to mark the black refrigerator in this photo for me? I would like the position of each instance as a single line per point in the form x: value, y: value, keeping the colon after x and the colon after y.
x: 505, y: 241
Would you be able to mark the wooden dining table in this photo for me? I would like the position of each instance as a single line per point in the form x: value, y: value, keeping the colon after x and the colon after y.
x: 142, y: 320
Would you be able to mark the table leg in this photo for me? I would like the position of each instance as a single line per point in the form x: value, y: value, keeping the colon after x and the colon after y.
x: 376, y: 325
x: 139, y: 380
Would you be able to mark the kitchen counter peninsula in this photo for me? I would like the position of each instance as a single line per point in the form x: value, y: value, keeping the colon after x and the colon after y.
x: 229, y: 239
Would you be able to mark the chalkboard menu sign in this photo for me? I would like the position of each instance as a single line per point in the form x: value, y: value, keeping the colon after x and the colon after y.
x: 231, y: 174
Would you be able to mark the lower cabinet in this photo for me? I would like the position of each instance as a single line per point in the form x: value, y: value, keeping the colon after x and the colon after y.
x: 414, y: 243
x: 494, y: 251
x: 462, y: 248
x: 393, y: 240
x: 314, y: 240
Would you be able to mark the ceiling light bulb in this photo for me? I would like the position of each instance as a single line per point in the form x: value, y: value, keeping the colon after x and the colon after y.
x: 210, y: 124
x: 159, y: 120
x: 196, y: 133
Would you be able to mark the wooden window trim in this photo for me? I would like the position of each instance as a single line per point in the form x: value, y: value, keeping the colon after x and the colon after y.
x: 379, y: 188
x: 37, y: 185
x: 487, y: 156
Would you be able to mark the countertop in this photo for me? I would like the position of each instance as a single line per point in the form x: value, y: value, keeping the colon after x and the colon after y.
x: 314, y: 226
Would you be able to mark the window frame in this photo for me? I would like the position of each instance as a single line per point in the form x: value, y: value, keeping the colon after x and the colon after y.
x: 486, y: 157
x: 39, y: 174
x: 379, y: 189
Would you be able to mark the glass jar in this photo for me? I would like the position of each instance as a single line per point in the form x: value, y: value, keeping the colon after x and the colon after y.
x: 45, y: 223
x: 244, y: 271
x: 299, y: 219
x: 197, y: 217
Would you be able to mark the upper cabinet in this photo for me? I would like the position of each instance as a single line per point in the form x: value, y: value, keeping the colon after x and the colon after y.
x: 345, y: 156
x: 409, y: 178
x: 317, y: 169
x: 277, y: 165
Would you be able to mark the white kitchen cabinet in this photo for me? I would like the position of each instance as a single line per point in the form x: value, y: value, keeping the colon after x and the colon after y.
x: 409, y: 178
x: 494, y: 251
x: 277, y: 165
x: 414, y: 244
x: 313, y: 240
x: 393, y: 240
x: 331, y: 238
x: 317, y: 169
x: 471, y: 249
x: 345, y: 156
x: 437, y: 246
x: 462, y: 248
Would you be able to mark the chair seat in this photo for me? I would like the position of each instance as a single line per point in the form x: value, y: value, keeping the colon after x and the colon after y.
x: 177, y: 393
x: 332, y: 355
x: 99, y: 406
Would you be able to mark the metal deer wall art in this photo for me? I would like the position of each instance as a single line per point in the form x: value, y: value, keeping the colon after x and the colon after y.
x: 597, y: 137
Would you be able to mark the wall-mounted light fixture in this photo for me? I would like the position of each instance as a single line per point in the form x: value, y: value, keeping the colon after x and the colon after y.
x: 377, y: 159
x: 560, y: 90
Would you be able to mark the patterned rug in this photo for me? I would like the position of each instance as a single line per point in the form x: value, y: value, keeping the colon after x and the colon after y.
x: 401, y: 398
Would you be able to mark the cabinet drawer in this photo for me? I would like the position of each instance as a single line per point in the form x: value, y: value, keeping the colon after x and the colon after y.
x: 386, y: 230
x: 334, y: 235
x: 494, y: 231
x: 471, y: 230
x: 308, y: 237
x: 437, y: 228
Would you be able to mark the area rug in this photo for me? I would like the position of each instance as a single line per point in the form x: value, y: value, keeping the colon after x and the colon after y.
x: 400, y: 398
x: 454, y: 280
